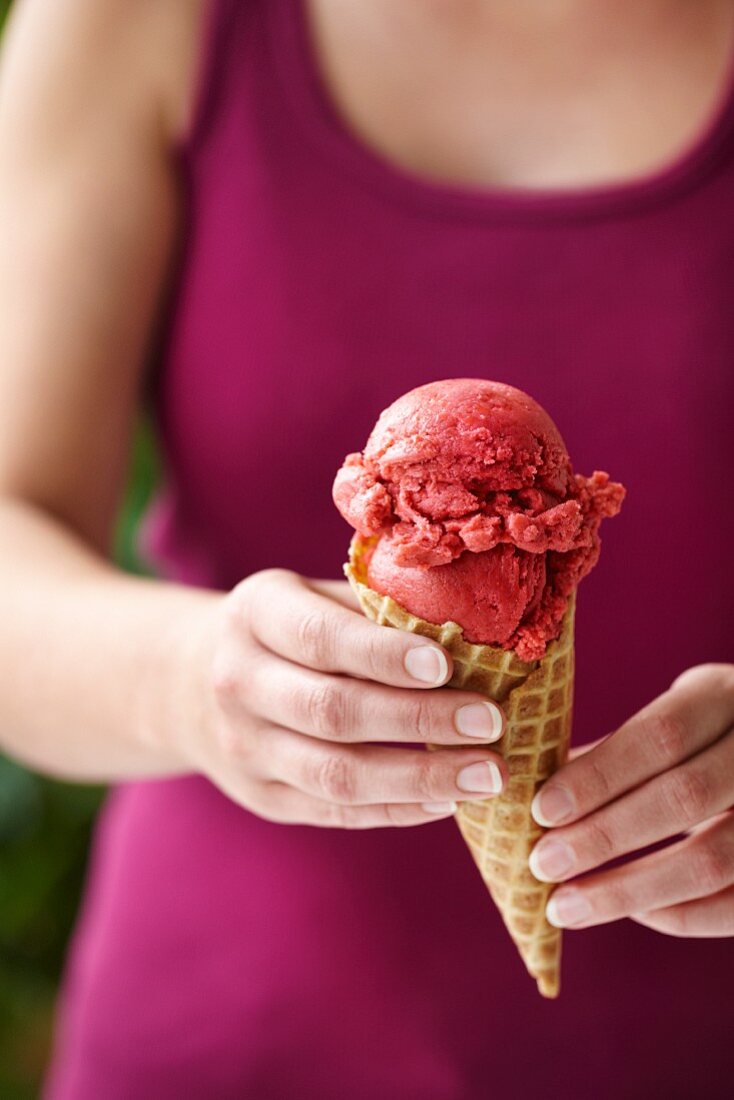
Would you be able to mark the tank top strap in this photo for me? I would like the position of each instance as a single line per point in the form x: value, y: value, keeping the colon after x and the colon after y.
x: 223, y: 23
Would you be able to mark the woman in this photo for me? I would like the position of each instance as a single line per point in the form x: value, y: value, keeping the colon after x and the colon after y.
x: 270, y: 217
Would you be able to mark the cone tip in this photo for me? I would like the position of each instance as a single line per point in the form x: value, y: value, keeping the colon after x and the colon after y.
x: 549, y: 985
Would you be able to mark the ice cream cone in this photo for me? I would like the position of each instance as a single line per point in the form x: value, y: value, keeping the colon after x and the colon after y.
x: 537, y: 699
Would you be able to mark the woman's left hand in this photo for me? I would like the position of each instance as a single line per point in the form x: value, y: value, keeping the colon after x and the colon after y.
x: 668, y: 771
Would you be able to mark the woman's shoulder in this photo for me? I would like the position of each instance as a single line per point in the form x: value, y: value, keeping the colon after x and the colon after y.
x: 139, y: 55
x: 175, y: 40
x: 185, y: 33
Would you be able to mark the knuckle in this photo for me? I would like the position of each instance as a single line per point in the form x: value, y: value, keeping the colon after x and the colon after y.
x: 427, y: 782
x: 711, y: 868
x: 722, y: 678
x: 336, y: 779
x: 225, y: 679
x: 315, y: 637
x: 687, y: 792
x: 615, y: 898
x: 416, y: 718
x: 252, y: 592
x: 240, y: 602
x: 326, y: 710
x: 690, y: 675
x: 597, y: 780
x: 667, y: 735
x: 374, y: 652
x: 601, y: 838
x: 709, y: 677
x: 266, y: 578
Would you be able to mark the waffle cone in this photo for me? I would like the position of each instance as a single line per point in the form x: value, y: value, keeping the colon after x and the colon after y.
x: 537, y: 700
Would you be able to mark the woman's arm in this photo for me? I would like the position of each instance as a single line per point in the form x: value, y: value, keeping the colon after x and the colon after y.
x: 275, y: 690
x: 88, y: 218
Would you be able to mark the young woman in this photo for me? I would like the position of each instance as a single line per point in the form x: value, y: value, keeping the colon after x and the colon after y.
x: 266, y: 219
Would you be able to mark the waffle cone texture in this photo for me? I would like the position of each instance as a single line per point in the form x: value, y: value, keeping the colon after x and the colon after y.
x: 537, y: 699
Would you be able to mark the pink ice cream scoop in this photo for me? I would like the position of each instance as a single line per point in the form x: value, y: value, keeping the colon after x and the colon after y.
x: 480, y: 518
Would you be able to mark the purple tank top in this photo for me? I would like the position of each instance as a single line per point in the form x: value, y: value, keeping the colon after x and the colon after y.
x: 221, y: 956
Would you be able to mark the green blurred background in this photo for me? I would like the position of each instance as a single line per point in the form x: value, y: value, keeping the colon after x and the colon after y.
x: 44, y: 835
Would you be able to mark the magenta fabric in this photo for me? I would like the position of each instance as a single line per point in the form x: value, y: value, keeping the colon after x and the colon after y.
x: 222, y: 956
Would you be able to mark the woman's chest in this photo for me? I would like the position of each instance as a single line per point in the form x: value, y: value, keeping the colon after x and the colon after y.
x: 294, y: 331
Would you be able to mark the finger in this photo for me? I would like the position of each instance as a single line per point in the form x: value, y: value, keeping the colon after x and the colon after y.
x: 692, y: 714
x: 354, y: 775
x: 711, y: 674
x: 704, y: 826
x: 665, y: 806
x: 710, y: 917
x: 579, y: 750
x: 286, y: 805
x: 696, y: 867
x: 279, y: 802
x: 293, y: 620
x: 339, y: 708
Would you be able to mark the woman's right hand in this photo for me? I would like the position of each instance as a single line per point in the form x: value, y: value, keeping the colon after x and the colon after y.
x: 299, y: 687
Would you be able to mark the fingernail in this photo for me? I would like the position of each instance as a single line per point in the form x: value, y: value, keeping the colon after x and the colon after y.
x: 439, y: 807
x: 427, y: 664
x: 483, y: 778
x: 551, y: 859
x: 480, y: 720
x: 552, y: 805
x: 566, y: 908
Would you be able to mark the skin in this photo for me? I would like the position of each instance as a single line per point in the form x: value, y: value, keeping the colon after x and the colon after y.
x: 669, y: 770
x: 277, y: 690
